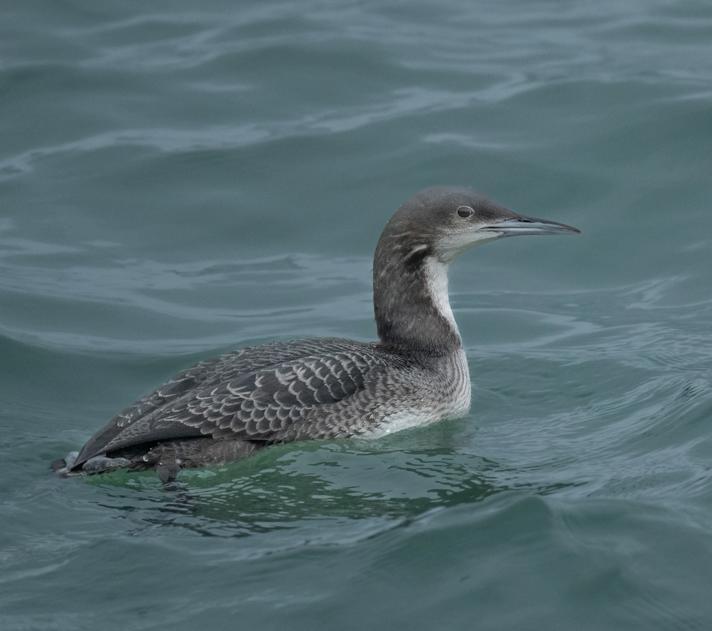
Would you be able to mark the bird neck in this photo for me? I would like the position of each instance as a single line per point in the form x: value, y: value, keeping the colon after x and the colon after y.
x: 410, y: 298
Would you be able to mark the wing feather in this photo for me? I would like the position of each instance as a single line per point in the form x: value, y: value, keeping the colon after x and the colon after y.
x: 260, y: 393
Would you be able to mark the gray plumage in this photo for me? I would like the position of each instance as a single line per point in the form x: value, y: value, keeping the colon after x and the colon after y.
x: 227, y: 407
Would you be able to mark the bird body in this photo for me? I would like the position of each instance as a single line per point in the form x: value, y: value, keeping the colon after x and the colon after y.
x: 227, y: 407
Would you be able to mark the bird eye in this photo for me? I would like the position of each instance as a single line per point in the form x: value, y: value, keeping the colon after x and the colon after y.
x: 465, y: 211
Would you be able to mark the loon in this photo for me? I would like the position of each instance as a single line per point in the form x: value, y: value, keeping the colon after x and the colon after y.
x: 228, y: 407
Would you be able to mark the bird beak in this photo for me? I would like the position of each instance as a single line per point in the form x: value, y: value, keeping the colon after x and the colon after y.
x: 520, y: 225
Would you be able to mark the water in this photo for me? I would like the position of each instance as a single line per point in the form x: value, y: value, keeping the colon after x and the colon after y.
x: 180, y: 179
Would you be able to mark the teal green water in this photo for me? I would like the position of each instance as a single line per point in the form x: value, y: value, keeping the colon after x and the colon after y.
x: 179, y: 178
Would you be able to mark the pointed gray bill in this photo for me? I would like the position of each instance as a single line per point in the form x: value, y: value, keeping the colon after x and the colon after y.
x: 522, y: 225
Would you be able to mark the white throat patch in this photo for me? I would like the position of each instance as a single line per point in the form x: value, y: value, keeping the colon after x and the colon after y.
x: 437, y: 283
x: 449, y: 246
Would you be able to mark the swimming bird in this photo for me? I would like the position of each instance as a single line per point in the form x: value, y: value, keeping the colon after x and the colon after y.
x: 228, y: 407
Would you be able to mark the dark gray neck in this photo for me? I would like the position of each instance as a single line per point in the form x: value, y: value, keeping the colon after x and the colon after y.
x: 410, y: 297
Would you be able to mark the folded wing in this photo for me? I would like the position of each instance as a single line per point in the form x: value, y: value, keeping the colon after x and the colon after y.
x: 265, y: 394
